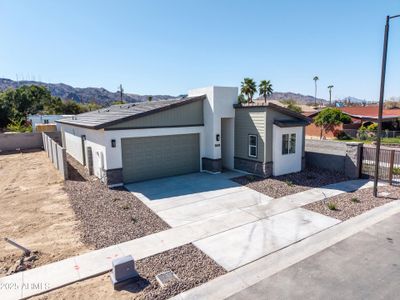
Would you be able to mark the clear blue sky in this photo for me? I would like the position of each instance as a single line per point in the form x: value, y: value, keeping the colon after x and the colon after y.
x: 168, y: 47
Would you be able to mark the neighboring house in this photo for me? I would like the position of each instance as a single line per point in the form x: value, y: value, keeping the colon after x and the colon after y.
x: 360, y: 115
x: 206, y: 131
x: 46, y: 119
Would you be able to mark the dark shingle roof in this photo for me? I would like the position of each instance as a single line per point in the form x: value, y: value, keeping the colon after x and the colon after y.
x: 119, y: 113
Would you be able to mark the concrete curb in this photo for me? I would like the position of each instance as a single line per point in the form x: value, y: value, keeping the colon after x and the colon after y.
x: 250, y: 274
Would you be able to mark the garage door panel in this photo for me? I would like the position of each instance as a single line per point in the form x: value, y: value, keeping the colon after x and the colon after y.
x: 155, y: 157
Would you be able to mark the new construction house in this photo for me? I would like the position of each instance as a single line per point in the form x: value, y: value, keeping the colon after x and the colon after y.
x: 207, y: 131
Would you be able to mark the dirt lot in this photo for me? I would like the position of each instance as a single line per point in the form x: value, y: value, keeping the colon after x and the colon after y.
x: 191, y: 266
x: 284, y: 185
x: 35, y: 210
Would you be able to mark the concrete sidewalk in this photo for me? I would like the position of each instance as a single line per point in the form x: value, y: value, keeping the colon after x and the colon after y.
x: 58, y: 274
x: 363, y: 266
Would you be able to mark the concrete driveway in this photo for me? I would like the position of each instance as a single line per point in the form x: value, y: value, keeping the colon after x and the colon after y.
x: 200, y: 199
x: 181, y: 200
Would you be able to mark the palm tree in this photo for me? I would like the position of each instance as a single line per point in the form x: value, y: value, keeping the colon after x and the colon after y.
x: 315, y: 97
x: 248, y: 88
x: 265, y: 89
x: 121, y: 92
x: 330, y: 87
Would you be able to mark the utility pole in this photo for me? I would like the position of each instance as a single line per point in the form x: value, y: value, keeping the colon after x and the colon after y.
x: 381, y: 99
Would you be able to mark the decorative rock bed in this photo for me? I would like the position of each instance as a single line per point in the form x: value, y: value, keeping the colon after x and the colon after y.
x: 348, y: 205
x: 107, y: 216
x: 284, y: 185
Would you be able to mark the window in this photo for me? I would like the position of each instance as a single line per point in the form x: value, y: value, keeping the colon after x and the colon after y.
x: 46, y: 121
x: 288, y: 143
x: 253, y: 141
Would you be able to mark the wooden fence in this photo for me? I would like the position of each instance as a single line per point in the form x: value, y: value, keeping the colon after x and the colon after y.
x: 389, y: 163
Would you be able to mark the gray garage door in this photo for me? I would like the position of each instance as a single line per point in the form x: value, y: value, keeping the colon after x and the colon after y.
x: 161, y: 156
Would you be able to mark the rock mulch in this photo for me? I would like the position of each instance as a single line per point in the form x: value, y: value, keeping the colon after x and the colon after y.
x: 284, y: 185
x: 348, y: 205
x: 107, y: 216
x: 191, y: 266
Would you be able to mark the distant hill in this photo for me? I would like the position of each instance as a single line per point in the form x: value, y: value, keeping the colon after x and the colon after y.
x: 299, y: 98
x: 83, y: 95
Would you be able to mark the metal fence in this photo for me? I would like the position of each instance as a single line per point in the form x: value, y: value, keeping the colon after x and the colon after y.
x: 356, y: 133
x: 56, y: 153
x: 389, y: 164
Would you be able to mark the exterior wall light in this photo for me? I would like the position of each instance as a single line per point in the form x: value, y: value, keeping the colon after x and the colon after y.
x: 217, y: 137
x: 113, y: 143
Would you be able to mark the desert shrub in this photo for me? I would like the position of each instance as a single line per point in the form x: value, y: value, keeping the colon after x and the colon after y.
x: 19, y: 126
x: 396, y: 171
x: 355, y: 200
x: 331, y: 206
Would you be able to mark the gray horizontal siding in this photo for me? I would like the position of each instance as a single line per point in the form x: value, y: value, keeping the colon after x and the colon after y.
x: 249, y: 121
x: 273, y: 115
x: 190, y: 114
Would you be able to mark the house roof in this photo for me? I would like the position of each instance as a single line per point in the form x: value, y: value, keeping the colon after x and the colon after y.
x: 370, y: 112
x: 275, y: 107
x: 114, y: 114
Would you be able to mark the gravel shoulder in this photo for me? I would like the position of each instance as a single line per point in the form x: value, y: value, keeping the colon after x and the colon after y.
x: 349, y: 205
x: 284, y: 185
x: 191, y: 266
x: 35, y: 212
x: 107, y: 216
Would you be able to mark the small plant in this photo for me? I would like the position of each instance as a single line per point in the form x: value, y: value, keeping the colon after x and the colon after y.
x: 289, y: 183
x: 396, y: 171
x: 332, y: 206
x: 115, y: 199
x: 133, y: 219
x: 355, y: 200
x: 125, y: 207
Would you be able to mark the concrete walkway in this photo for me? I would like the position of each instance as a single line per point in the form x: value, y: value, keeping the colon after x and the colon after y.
x: 192, y: 229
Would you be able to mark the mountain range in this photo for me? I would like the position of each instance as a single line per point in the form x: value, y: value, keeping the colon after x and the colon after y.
x: 83, y: 95
x: 105, y: 97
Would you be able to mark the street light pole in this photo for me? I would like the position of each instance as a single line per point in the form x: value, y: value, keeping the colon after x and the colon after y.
x: 381, y: 97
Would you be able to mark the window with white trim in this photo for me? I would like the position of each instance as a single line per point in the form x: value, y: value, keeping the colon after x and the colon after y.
x: 288, y: 143
x: 253, y: 141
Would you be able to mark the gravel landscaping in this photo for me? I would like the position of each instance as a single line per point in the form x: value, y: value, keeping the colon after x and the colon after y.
x: 107, y: 216
x: 284, y: 185
x: 348, y: 205
x: 191, y: 266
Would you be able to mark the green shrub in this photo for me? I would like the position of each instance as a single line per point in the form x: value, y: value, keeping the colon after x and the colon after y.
x: 355, y: 200
x: 396, y: 171
x: 19, y: 126
x: 331, y: 206
x: 372, y: 127
x: 289, y: 183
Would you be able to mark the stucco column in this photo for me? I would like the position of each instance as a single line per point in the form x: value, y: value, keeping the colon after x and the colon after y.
x: 353, y: 160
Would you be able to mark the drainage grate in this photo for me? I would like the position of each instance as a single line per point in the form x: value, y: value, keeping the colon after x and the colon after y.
x: 166, y: 277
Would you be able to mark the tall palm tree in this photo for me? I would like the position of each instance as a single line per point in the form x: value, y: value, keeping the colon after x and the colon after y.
x: 330, y: 87
x: 315, y: 95
x: 265, y: 89
x: 248, y: 88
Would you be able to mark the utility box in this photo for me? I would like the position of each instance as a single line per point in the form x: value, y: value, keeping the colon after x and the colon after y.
x: 123, y: 271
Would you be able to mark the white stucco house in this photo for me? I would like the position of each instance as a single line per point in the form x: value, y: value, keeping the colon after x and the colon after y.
x: 46, y: 119
x: 207, y: 131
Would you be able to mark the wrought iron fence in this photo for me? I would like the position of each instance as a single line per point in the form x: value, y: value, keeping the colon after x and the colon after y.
x: 389, y: 164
